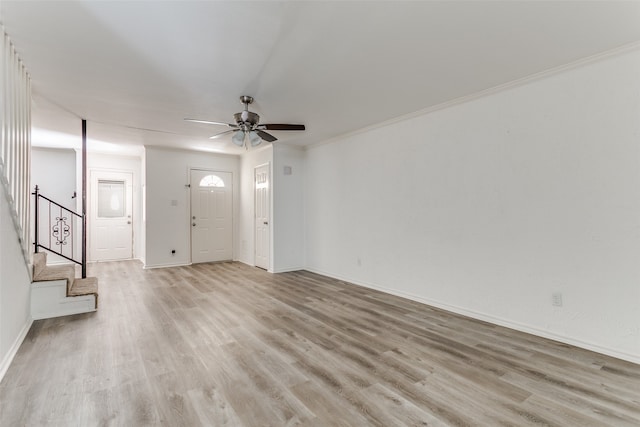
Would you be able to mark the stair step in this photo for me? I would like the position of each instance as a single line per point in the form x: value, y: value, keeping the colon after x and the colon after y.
x: 74, y: 287
x: 39, y: 263
x: 57, y: 272
x: 49, y: 299
x: 86, y: 286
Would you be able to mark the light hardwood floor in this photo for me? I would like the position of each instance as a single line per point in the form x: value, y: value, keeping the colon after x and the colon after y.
x: 227, y: 344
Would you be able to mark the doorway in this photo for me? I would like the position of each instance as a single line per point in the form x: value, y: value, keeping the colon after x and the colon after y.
x: 111, y: 228
x: 262, y: 209
x: 211, y: 216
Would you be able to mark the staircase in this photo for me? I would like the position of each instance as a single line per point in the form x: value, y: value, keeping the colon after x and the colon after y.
x: 55, y: 290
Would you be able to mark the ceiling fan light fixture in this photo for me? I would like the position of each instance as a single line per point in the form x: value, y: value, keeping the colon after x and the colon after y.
x: 238, y: 138
x: 254, y: 139
x: 247, y: 126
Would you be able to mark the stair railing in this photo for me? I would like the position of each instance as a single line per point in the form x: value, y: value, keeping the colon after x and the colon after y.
x: 59, y: 230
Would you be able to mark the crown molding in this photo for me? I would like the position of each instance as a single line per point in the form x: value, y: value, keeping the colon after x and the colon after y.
x: 490, y: 91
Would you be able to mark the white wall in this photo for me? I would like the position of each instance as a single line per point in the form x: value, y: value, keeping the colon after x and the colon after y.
x: 167, y: 225
x: 246, y: 215
x: 116, y: 163
x: 58, y: 173
x: 15, y: 290
x: 489, y: 207
x: 15, y: 197
x: 54, y: 172
x: 288, y: 209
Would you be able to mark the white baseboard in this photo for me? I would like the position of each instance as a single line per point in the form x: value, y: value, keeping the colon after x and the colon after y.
x: 148, y: 267
x: 13, y: 350
x: 275, y: 271
x: 245, y: 262
x: 491, y: 319
x: 287, y: 269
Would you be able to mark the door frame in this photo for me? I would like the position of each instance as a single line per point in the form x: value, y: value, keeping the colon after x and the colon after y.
x: 270, y: 225
x: 189, y: 213
x: 90, y: 208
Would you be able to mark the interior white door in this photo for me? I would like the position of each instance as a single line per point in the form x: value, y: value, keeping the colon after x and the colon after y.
x: 111, y: 228
x: 211, y: 216
x: 262, y: 186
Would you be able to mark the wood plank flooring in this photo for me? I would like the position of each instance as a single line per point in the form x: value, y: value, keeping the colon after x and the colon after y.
x: 230, y: 345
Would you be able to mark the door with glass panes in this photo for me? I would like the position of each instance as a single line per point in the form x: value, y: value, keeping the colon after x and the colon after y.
x: 111, y: 222
x: 211, y: 216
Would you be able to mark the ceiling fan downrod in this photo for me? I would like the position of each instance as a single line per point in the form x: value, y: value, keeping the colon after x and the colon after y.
x: 246, y: 120
x: 246, y: 100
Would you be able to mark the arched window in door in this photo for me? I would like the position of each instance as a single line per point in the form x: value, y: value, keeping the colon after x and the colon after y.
x: 212, y: 181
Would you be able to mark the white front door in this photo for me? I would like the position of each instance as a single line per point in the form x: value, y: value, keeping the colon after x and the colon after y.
x: 111, y: 228
x: 211, y: 216
x: 262, y: 216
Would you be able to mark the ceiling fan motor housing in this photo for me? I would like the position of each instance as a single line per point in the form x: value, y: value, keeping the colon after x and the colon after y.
x: 246, y: 120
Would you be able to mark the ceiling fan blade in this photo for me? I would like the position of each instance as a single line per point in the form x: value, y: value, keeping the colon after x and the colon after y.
x: 217, y: 135
x: 273, y: 126
x: 210, y: 122
x: 266, y: 136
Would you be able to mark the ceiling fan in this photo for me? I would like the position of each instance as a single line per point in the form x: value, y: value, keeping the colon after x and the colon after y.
x: 248, y: 126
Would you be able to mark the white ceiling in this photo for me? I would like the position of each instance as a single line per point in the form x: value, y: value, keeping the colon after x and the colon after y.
x: 334, y: 66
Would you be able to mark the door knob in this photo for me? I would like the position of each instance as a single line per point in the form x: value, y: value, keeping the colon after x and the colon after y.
x: 265, y: 223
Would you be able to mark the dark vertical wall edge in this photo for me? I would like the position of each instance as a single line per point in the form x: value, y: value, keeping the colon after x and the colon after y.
x: 84, y: 198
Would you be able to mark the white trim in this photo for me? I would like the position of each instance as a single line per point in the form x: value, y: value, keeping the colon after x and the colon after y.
x: 270, y: 225
x: 8, y: 358
x: 491, y: 319
x: 190, y: 169
x: 148, y: 267
x: 191, y: 150
x: 97, y: 173
x: 244, y: 262
x: 288, y: 269
x: 487, y: 92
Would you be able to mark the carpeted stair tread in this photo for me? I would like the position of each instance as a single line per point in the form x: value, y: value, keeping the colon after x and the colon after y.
x: 86, y: 286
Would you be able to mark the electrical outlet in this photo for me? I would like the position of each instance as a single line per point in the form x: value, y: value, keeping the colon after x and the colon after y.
x: 556, y: 299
